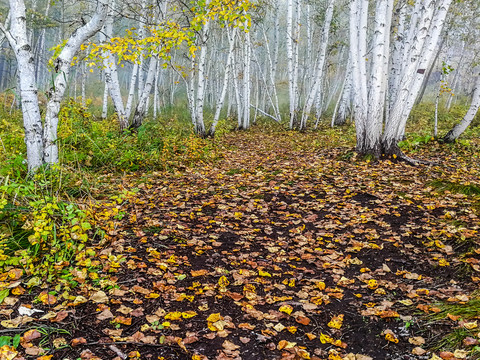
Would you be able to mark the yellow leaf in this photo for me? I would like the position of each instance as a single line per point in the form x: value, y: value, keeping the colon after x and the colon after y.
x: 46, y: 298
x: 372, y: 284
x: 287, y: 309
x: 214, y: 317
x: 325, y: 339
x: 264, y: 273
x: 336, y: 322
x: 173, y: 315
x: 391, y: 337
x: 7, y: 352
x: 471, y: 325
x: 223, y: 282
x: 284, y: 344
x: 188, y: 314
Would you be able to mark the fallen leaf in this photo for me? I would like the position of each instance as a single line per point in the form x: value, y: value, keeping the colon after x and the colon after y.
x: 78, y: 341
x: 228, y: 345
x: 417, y: 340
x: 105, y: 314
x: 99, y: 297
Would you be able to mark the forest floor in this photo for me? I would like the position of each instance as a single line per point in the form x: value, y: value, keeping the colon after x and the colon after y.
x: 280, y: 250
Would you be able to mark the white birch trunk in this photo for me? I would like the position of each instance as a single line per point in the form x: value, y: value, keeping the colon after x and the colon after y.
x: 292, y: 58
x: 318, y: 77
x: 227, y: 76
x: 131, y: 90
x: 105, y: 102
x: 358, y: 33
x: 458, y: 129
x: 62, y: 68
x: 246, y: 82
x: 32, y: 122
x: 415, y: 71
x: 378, y: 78
x: 200, y: 99
x: 111, y: 73
x: 142, y: 105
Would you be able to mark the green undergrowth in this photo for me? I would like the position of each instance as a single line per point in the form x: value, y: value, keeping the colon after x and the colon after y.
x: 442, y: 185
x: 47, y: 220
x: 466, y: 314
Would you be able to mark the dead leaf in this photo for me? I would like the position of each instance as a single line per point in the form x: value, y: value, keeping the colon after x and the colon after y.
x: 99, y: 297
x: 417, y: 340
x: 78, y: 341
x: 105, y: 314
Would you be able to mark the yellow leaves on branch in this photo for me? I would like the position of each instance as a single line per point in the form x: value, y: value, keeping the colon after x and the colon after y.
x: 169, y: 35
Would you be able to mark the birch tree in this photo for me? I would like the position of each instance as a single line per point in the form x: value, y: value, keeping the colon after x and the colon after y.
x: 420, y: 52
x: 318, y: 76
x: 459, y: 128
x: 293, y: 24
x: 41, y: 143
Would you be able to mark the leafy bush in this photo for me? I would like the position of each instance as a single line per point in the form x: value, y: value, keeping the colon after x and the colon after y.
x: 39, y: 233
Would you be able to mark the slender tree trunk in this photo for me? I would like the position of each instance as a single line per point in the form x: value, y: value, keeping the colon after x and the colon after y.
x: 32, y: 122
x: 62, y: 68
x: 422, y: 52
x: 318, y: 77
x: 228, y: 71
x: 458, y: 129
x: 142, y: 105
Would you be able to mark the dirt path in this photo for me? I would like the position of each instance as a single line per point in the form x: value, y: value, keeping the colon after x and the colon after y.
x: 278, y: 252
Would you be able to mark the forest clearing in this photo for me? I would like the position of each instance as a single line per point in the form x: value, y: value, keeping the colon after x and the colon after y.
x: 239, y: 179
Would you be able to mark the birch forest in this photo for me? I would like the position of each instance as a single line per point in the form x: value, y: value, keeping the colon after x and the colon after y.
x: 239, y: 179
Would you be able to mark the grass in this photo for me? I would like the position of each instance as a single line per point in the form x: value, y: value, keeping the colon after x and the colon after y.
x: 467, y: 312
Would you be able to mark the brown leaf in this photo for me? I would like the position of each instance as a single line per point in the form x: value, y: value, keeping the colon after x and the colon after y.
x: 196, y: 273
x: 105, y: 314
x: 417, y: 340
x: 228, y: 345
x: 123, y: 320
x: 190, y: 339
x: 78, y: 341
x: 99, y: 297
x: 125, y: 310
x: 31, y: 335
x: 469, y: 341
x: 302, y: 320
x: 446, y: 355
x: 60, y: 316
x: 418, y: 351
x: 46, y: 298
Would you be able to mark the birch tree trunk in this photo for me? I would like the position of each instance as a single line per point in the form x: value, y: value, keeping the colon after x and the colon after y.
x: 226, y: 78
x: 318, y: 77
x: 293, y: 10
x: 131, y: 90
x: 32, y: 122
x: 458, y: 129
x: 142, y: 105
x: 246, y: 82
x: 422, y: 52
x: 62, y: 67
x: 358, y: 46
x: 200, y: 99
x: 378, y: 79
x: 111, y: 73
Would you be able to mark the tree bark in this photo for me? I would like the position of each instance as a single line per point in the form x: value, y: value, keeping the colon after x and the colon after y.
x: 62, y: 68
x: 458, y: 129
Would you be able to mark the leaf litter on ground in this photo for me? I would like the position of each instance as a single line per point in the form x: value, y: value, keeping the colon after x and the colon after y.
x: 281, y: 250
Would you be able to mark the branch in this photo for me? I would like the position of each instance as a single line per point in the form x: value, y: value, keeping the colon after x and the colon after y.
x: 6, y: 33
x: 264, y: 113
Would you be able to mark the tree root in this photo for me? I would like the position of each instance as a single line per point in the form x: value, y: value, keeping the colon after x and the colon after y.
x: 411, y: 161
